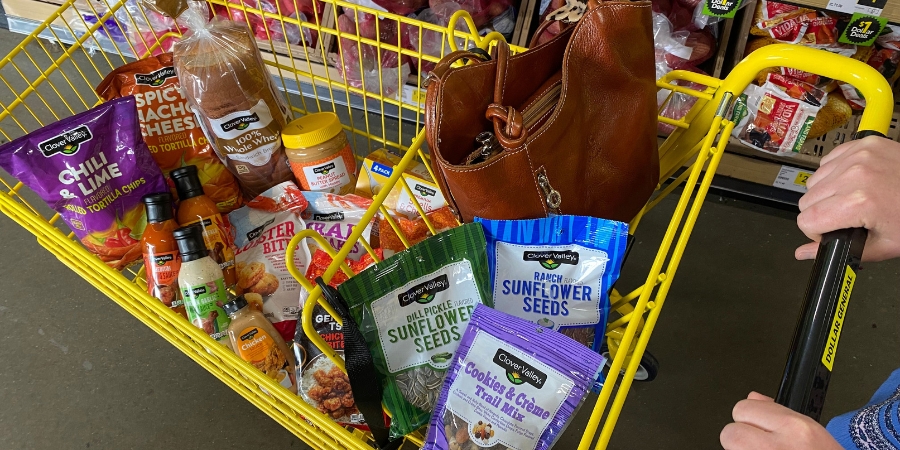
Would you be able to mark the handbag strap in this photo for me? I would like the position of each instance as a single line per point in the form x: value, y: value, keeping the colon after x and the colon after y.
x: 509, y: 126
x: 444, y: 65
x: 364, y: 380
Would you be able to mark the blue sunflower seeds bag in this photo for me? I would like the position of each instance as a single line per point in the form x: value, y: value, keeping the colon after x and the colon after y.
x: 556, y: 271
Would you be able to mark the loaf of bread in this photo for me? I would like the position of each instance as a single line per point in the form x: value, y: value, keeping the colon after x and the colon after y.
x: 228, y: 86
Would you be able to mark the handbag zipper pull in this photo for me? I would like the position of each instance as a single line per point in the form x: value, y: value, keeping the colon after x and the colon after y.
x: 551, y: 195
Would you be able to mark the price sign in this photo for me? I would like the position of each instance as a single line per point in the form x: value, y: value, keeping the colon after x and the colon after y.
x: 721, y: 8
x: 792, y: 178
x: 863, y: 29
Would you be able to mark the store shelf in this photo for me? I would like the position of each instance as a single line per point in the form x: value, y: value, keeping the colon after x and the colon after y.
x: 891, y: 9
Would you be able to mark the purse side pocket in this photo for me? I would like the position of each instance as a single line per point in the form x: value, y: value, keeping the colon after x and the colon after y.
x: 501, y: 189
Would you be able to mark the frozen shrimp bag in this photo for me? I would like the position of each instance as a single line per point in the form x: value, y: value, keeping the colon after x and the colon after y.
x: 92, y: 168
x: 557, y: 271
x: 412, y: 309
x: 512, y: 385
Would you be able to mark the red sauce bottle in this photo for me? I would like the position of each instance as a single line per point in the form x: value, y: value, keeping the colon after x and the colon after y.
x: 161, y: 258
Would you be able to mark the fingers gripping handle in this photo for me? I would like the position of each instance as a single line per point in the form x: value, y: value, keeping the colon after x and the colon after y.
x: 818, y: 331
x: 821, y: 321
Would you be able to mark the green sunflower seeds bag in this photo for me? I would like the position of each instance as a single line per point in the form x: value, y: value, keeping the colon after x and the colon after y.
x: 412, y: 309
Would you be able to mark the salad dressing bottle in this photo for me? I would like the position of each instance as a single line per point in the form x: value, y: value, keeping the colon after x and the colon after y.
x: 202, y: 285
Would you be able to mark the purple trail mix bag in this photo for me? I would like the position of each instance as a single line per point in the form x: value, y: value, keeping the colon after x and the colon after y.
x: 92, y: 168
x: 512, y: 385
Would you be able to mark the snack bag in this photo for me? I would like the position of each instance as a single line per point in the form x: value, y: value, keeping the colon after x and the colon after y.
x: 92, y: 168
x: 322, y: 384
x: 170, y: 127
x: 797, y: 89
x: 771, y: 10
x: 556, y: 271
x: 414, y: 230
x: 512, y: 385
x: 334, y: 217
x: 262, y: 237
x: 801, y: 75
x: 230, y: 89
x: 776, y: 123
x: 378, y: 167
x: 412, y: 309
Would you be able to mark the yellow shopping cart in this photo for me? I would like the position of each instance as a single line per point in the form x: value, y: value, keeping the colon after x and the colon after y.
x: 40, y: 83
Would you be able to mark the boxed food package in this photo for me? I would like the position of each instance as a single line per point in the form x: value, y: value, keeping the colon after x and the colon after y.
x: 378, y: 167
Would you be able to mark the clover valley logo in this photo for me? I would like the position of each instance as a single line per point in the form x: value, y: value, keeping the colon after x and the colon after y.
x: 323, y: 170
x: 518, y: 371
x: 425, y: 191
x: 552, y: 260
x: 423, y: 293
x: 156, y: 78
x: 258, y: 231
x: 66, y: 143
x: 240, y: 123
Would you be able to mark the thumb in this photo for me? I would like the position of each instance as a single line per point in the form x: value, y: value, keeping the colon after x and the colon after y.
x: 757, y: 396
x: 806, y: 251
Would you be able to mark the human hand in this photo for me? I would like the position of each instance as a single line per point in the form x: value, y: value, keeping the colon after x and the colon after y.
x: 762, y: 424
x: 856, y: 186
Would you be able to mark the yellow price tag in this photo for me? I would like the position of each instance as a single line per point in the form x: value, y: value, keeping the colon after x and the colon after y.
x: 418, y: 96
x: 801, y: 178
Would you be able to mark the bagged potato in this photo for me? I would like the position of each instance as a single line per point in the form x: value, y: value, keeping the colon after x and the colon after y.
x: 169, y: 126
x: 93, y: 168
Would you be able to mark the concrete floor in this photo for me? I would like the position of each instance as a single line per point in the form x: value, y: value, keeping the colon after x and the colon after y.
x: 79, y: 372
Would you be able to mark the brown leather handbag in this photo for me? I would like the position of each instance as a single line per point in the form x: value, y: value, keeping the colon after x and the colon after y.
x: 573, y: 119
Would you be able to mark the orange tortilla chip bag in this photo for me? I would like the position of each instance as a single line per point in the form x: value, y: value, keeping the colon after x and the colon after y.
x: 169, y: 126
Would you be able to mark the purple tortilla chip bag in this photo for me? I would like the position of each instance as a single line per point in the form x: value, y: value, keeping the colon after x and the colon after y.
x: 92, y: 168
x: 513, y: 384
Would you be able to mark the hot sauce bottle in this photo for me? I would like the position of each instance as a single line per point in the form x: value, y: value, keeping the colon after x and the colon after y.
x: 196, y: 207
x: 161, y: 258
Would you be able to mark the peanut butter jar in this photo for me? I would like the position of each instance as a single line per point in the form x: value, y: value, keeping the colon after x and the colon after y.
x: 320, y: 154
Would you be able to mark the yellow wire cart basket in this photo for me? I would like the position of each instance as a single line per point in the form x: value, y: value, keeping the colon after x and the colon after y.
x: 52, y: 73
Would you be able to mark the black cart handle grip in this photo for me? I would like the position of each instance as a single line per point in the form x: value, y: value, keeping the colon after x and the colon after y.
x: 818, y: 331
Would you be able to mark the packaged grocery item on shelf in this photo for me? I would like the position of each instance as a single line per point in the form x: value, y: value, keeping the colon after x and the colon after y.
x: 320, y: 154
x: 412, y: 309
x: 196, y: 208
x: 797, y: 89
x: 92, y: 168
x: 358, y: 63
x: 511, y: 385
x: 378, y: 167
x: 775, y: 122
x: 228, y: 86
x: 161, y: 258
x: 557, y: 271
x: 269, y: 28
x: 430, y: 42
x: 322, y: 384
x: 256, y: 341
x: 261, y: 238
x: 202, y: 285
x: 334, y: 216
x: 414, y: 230
x: 169, y: 126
